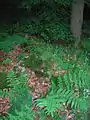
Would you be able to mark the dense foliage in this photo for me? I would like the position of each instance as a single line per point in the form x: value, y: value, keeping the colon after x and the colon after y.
x: 41, y: 42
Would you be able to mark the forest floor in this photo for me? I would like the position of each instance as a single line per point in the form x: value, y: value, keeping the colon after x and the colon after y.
x: 37, y: 80
x: 37, y: 83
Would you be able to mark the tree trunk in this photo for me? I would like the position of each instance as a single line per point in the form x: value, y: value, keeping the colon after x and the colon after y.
x: 77, y: 19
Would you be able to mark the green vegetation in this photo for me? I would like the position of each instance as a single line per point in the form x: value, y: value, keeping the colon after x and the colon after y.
x: 38, y: 47
x: 9, y: 42
x: 3, y: 80
x: 20, y: 99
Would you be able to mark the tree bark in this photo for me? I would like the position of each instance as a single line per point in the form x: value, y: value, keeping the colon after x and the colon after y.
x: 77, y: 19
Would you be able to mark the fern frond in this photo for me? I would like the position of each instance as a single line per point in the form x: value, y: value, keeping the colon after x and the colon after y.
x: 51, y: 103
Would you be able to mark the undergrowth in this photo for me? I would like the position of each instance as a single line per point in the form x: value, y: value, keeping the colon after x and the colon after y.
x: 20, y: 98
x: 70, y: 83
x: 67, y: 69
x: 68, y: 73
x: 8, y: 43
x: 3, y: 80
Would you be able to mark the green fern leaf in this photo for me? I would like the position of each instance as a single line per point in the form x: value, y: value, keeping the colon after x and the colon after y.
x: 83, y: 104
x: 75, y: 103
x: 51, y: 104
x: 69, y: 99
x: 73, y: 100
x: 75, y: 79
x: 65, y: 79
x: 60, y: 82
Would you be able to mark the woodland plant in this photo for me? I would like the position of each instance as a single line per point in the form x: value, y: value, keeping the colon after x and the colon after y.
x: 10, y: 41
x: 69, y: 92
x: 3, y: 80
x: 56, y: 31
x: 20, y: 98
x: 70, y: 86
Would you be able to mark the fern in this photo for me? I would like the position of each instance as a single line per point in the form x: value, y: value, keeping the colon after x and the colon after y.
x: 74, y: 84
x: 8, y: 43
x: 50, y: 104
x: 67, y: 90
x: 20, y: 98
